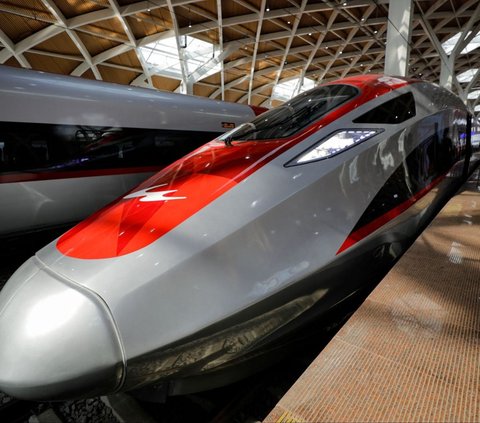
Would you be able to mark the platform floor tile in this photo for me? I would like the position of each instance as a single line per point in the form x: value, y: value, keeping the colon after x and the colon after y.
x: 411, y: 352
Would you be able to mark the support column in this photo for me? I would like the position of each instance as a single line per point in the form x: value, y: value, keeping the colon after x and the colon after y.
x: 400, y: 13
x: 185, y: 87
x: 446, y: 72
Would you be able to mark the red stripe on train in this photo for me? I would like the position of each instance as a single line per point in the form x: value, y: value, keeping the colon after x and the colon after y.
x: 377, y: 223
x: 134, y: 221
x: 49, y: 175
x: 195, y: 181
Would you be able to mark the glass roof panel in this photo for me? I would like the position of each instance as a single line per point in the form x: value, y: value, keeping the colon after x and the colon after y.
x: 449, y: 45
x: 473, y: 95
x: 467, y: 76
x: 163, y: 58
x: 286, y: 90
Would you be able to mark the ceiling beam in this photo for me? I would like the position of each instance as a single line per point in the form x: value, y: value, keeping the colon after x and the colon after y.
x: 296, y: 22
x: 29, y: 42
x: 133, y: 41
x: 62, y: 22
x: 187, y: 88
x: 260, y: 16
x: 10, y: 47
x: 220, y: 41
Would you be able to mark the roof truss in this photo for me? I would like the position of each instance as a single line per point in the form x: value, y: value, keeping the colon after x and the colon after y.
x: 262, y: 42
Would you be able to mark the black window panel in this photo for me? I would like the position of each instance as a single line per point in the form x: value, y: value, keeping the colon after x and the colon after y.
x: 37, y: 147
x: 295, y: 115
x: 393, y: 111
x: 433, y: 157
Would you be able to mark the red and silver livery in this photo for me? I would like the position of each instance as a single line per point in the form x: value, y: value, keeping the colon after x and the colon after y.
x: 236, y: 245
x: 68, y: 146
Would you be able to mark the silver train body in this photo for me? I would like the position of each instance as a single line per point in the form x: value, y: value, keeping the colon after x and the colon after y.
x: 69, y: 146
x: 229, y: 249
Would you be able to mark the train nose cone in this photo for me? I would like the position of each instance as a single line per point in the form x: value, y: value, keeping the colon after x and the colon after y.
x: 57, y: 340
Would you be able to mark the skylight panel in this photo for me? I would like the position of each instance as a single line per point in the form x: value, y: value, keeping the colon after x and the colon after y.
x: 163, y: 59
x: 467, y: 76
x: 472, y: 45
x: 473, y: 95
x: 286, y: 90
x: 477, y: 108
x: 449, y: 45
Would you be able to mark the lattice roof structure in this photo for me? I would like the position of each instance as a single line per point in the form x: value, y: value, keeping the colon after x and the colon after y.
x: 256, y: 44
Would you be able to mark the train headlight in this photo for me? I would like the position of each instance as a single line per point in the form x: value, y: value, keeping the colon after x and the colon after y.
x: 334, y: 144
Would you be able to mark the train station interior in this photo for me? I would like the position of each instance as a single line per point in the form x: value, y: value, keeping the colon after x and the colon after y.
x: 239, y: 211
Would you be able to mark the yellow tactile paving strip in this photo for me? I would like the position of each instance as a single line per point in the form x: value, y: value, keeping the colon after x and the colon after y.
x: 411, y: 352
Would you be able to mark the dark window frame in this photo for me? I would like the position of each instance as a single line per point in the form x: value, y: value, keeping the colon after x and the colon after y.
x: 392, y: 112
x: 44, y: 147
x: 295, y: 115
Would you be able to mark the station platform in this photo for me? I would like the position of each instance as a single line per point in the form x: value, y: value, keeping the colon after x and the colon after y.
x: 411, y: 352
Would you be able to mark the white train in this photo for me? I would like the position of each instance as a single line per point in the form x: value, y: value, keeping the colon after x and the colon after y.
x: 69, y: 146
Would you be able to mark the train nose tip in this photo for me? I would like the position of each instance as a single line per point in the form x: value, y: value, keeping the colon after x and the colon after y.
x: 57, y: 340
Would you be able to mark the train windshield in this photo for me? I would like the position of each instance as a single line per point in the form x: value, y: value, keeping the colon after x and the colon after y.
x: 293, y: 116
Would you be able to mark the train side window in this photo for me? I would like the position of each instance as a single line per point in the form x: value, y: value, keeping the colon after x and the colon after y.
x: 295, y: 115
x: 54, y: 147
x: 393, y: 111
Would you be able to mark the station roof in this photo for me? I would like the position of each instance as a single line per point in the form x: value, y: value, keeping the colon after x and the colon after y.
x: 255, y: 51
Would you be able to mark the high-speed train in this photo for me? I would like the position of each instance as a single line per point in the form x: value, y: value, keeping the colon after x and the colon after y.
x: 68, y: 146
x: 224, y: 252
